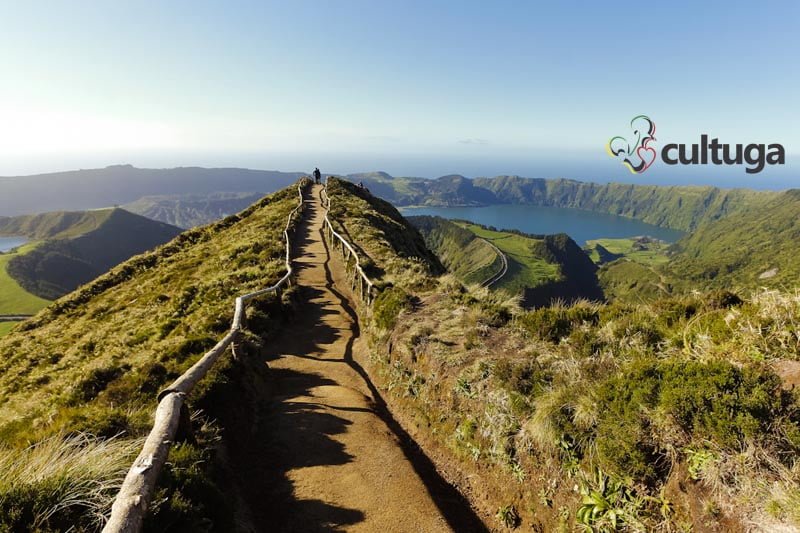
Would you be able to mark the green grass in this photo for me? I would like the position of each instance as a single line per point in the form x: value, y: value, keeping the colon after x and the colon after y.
x: 645, y: 251
x: 5, y: 327
x: 617, y: 416
x: 525, y: 267
x: 470, y: 259
x: 55, y: 225
x: 13, y: 298
x: 93, y: 361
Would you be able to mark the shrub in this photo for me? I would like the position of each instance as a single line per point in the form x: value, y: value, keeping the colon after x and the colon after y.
x: 526, y: 377
x: 98, y: 379
x: 714, y: 401
x: 388, y: 305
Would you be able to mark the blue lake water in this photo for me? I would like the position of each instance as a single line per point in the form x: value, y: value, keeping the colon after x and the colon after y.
x: 8, y: 243
x: 579, y: 224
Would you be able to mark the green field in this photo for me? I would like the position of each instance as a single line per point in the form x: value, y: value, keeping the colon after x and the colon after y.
x: 13, y: 298
x: 641, y: 250
x: 5, y: 327
x: 525, y: 267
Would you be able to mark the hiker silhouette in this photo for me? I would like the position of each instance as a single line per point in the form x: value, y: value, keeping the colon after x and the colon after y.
x: 317, y: 175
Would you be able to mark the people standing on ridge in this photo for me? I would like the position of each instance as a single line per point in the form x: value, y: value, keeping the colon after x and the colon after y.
x: 317, y: 176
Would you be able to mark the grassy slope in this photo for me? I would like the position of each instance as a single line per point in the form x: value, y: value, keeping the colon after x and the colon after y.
x: 469, y: 258
x: 679, y: 207
x: 13, y: 298
x: 94, y: 360
x: 75, y: 254
x: 364, y: 218
x: 525, y: 268
x: 56, y: 225
x: 645, y: 252
x: 6, y: 327
x: 638, y: 406
x: 734, y: 252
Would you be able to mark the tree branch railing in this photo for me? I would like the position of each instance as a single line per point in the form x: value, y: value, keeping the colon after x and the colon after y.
x: 366, y: 288
x: 133, y: 499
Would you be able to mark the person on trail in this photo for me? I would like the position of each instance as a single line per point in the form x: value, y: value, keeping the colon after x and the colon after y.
x: 317, y: 176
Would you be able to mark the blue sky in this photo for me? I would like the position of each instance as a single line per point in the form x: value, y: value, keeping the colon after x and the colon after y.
x: 413, y: 87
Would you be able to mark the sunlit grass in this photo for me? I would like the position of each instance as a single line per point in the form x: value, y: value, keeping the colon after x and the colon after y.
x: 13, y: 298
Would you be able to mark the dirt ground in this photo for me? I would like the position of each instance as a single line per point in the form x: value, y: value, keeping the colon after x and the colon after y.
x: 325, y: 454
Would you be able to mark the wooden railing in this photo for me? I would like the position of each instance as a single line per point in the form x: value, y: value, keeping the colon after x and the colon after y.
x: 362, y: 283
x: 130, y: 505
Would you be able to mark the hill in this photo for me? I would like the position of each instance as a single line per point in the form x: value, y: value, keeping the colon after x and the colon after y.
x: 678, y: 207
x: 471, y: 259
x: 93, y: 362
x: 192, y: 210
x: 77, y: 247
x: 80, y: 190
x: 613, y: 416
x: 540, y: 268
x: 755, y: 248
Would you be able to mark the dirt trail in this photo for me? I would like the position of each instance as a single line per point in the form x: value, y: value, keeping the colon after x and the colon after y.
x: 327, y: 455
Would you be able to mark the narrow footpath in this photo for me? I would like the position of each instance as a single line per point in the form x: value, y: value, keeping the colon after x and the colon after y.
x: 330, y: 457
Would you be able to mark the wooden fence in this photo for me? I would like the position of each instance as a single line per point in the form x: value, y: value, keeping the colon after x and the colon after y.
x: 361, y: 282
x: 132, y: 501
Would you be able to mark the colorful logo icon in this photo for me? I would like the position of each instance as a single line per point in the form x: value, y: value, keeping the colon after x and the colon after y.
x: 635, y: 152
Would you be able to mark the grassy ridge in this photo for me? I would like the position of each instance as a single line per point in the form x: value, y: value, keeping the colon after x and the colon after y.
x: 56, y: 225
x: 93, y: 361
x: 665, y: 416
x: 471, y: 259
x: 541, y: 268
x: 526, y: 268
x: 75, y: 254
x: 755, y: 248
x: 679, y: 207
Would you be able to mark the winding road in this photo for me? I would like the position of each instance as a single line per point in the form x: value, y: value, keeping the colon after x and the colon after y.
x: 504, y: 268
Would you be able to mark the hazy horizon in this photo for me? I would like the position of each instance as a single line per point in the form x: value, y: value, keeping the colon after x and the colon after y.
x: 418, y: 89
x: 431, y: 166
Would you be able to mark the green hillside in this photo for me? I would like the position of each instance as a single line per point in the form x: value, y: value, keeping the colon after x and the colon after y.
x: 93, y: 362
x: 471, y: 259
x: 673, y: 415
x: 754, y: 248
x: 78, y: 247
x: 5, y: 327
x: 645, y: 250
x: 541, y: 268
x: 14, y: 299
x: 57, y: 225
x: 679, y: 207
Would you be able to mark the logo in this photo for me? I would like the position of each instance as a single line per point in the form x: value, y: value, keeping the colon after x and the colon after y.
x: 636, y: 154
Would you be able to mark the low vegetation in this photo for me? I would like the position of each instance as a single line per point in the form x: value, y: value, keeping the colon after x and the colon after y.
x: 14, y: 299
x: 93, y: 362
x: 669, y: 415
